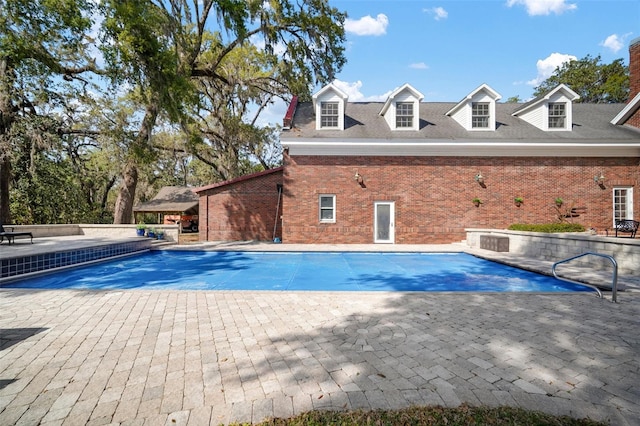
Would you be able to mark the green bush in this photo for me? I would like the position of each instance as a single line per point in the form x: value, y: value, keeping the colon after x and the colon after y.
x: 547, y: 227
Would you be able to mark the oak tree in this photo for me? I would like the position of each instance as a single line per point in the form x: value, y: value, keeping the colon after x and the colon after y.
x: 594, y: 81
x: 171, y: 50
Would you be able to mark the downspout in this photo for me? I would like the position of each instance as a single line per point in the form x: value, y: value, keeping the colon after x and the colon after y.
x: 275, y: 222
x: 207, y: 216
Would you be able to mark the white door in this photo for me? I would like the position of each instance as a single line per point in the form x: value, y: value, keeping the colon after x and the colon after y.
x: 622, y: 203
x: 383, y: 222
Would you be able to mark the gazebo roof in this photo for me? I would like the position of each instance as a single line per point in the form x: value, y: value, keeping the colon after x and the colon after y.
x: 170, y: 199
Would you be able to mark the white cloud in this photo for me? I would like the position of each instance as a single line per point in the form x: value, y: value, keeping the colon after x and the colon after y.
x: 615, y: 42
x: 548, y: 65
x: 351, y: 89
x: 354, y: 93
x: 367, y: 25
x: 419, y: 66
x: 544, y: 7
x: 437, y: 12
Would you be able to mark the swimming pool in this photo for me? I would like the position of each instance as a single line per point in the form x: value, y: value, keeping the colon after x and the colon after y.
x: 314, y: 271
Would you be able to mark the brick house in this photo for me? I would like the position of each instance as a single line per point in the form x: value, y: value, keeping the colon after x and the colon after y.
x: 406, y: 171
x: 242, y: 209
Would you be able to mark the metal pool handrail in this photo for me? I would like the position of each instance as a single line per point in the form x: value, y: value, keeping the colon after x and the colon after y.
x: 614, y: 283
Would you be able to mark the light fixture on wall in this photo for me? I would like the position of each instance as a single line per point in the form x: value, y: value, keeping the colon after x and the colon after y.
x: 480, y: 179
x: 599, y: 179
x: 358, y: 177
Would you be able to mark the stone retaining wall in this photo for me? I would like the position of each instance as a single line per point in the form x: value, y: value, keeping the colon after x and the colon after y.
x: 125, y: 231
x: 555, y: 247
x: 92, y: 230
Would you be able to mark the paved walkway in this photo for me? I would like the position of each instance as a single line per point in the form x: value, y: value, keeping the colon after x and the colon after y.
x: 208, y: 357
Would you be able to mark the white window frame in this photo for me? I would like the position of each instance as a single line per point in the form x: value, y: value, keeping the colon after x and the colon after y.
x: 329, y: 112
x: 484, y: 118
x: 332, y: 209
x: 404, y: 121
x: 550, y: 116
x: 628, y: 203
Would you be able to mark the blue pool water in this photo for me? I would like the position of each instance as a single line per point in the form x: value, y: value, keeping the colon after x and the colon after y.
x: 325, y: 271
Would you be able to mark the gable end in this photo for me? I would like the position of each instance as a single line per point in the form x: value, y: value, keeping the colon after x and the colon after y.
x: 477, y: 111
x: 401, y: 110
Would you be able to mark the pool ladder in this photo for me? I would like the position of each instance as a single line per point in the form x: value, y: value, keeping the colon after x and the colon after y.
x: 614, y: 283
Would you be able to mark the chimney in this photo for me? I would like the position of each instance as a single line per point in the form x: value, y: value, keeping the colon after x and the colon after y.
x: 634, y: 68
x: 287, y: 121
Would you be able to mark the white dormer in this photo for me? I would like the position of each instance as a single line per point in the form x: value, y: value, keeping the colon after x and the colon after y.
x: 401, y: 110
x: 551, y: 112
x: 329, y: 106
x: 477, y: 111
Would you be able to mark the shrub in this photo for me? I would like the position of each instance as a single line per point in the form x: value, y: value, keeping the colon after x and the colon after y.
x: 547, y: 227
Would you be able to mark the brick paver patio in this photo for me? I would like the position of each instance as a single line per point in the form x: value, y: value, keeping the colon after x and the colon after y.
x: 197, y: 358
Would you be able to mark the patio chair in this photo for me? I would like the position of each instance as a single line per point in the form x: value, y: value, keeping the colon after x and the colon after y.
x: 10, y: 235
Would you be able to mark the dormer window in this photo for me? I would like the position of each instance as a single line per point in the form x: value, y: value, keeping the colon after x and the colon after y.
x: 477, y: 111
x: 557, y: 115
x: 404, y: 114
x: 402, y: 109
x: 480, y: 115
x: 329, y: 106
x: 329, y: 114
x: 551, y: 112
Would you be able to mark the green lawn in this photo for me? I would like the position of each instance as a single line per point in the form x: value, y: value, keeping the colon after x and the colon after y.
x: 463, y: 415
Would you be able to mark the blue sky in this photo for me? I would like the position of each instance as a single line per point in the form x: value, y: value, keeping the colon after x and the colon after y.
x: 446, y: 49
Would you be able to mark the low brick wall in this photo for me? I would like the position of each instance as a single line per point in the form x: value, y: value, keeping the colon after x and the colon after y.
x: 555, y: 247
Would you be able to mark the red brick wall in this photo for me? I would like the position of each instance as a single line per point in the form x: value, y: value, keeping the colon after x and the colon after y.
x: 634, y: 120
x: 433, y: 194
x: 634, y: 69
x: 634, y: 80
x: 241, y: 211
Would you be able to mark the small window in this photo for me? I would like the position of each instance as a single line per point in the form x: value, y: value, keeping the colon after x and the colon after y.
x: 622, y: 204
x: 557, y: 115
x: 480, y: 115
x: 329, y: 114
x: 327, y: 208
x: 404, y: 115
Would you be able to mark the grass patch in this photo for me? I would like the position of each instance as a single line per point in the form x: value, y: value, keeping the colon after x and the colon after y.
x: 548, y: 228
x: 463, y: 415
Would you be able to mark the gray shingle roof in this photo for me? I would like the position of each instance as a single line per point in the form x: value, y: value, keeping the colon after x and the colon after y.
x: 591, y: 122
x: 170, y: 199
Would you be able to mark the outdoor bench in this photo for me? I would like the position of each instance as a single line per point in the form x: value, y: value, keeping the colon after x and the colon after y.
x: 628, y: 226
x: 10, y: 235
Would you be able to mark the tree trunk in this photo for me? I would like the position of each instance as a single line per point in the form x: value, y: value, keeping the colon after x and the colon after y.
x: 123, y: 211
x: 5, y: 178
x: 6, y: 121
